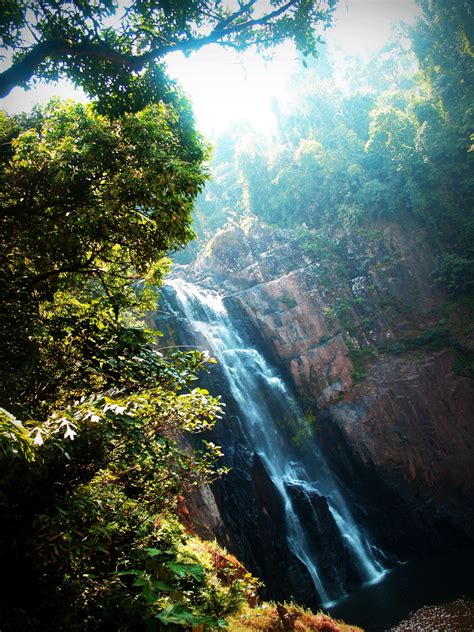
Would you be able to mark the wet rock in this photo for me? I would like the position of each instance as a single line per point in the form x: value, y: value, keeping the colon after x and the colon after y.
x: 253, y: 513
x: 400, y: 438
x: 411, y: 425
x: 327, y: 549
x: 455, y: 616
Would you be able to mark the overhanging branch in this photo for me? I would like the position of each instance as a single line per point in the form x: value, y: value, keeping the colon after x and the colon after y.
x: 24, y: 69
x: 27, y: 67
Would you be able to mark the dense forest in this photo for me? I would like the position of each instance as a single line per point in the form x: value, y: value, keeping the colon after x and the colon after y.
x: 393, y: 138
x: 97, y: 424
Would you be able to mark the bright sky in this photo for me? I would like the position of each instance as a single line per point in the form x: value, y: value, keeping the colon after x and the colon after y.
x: 226, y: 87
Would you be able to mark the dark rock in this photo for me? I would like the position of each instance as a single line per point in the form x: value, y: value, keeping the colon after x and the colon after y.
x: 328, y: 549
x: 253, y: 513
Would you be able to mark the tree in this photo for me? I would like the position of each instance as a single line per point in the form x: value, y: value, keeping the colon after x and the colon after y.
x: 116, y: 49
x: 88, y: 207
x: 443, y: 40
x: 95, y: 433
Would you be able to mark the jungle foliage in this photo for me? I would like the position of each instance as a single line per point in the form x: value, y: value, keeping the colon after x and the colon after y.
x: 394, y: 141
x: 97, y: 424
x: 94, y: 418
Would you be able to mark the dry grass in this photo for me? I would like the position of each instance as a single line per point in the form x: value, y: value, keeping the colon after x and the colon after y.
x: 266, y: 618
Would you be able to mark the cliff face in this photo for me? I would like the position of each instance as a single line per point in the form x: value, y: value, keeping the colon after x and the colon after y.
x: 375, y: 349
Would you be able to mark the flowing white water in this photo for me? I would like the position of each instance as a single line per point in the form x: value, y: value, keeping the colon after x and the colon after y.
x: 249, y: 376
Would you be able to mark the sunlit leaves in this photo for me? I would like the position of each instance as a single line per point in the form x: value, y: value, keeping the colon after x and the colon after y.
x: 111, y: 194
x: 15, y: 440
x: 119, y: 60
x: 89, y: 207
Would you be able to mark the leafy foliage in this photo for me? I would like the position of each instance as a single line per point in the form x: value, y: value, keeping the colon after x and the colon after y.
x: 89, y: 207
x: 113, y: 50
x: 397, y: 145
x: 92, y: 434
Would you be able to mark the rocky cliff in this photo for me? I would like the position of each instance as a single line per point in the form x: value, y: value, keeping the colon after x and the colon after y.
x: 381, y: 358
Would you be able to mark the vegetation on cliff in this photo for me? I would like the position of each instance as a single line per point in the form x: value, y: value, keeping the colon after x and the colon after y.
x: 390, y: 140
x: 95, y: 421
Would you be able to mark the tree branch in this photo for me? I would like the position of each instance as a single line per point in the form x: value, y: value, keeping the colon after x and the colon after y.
x: 265, y: 19
x: 231, y: 18
x: 38, y: 278
x: 25, y: 68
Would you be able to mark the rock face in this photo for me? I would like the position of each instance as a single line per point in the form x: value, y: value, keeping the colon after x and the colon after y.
x: 253, y: 513
x: 381, y: 363
x: 371, y: 345
x: 411, y: 423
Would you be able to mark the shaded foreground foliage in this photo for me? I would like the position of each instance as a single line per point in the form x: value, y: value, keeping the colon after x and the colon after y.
x: 92, y: 431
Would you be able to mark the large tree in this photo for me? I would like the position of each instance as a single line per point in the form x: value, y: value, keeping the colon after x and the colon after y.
x: 87, y: 207
x: 91, y: 410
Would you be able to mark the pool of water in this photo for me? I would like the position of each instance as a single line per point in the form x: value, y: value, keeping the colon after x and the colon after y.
x: 443, y: 580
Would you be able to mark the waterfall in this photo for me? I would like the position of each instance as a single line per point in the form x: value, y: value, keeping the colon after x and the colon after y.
x: 305, y: 486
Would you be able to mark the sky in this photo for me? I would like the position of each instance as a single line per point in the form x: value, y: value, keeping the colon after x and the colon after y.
x: 227, y: 87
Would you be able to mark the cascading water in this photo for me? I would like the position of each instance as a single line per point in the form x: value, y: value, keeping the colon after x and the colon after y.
x: 258, y: 391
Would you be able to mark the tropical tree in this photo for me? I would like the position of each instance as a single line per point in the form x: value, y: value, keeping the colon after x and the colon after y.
x: 93, y: 415
x: 443, y: 41
x: 88, y: 207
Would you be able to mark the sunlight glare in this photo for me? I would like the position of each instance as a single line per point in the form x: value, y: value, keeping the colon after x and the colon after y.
x: 228, y: 88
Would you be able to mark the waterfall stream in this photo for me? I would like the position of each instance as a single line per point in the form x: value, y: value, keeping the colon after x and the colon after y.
x: 258, y: 390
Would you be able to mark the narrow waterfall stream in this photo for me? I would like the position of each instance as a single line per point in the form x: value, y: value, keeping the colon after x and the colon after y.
x: 307, y: 487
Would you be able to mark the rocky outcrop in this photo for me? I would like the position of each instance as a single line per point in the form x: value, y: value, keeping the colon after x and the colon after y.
x: 359, y: 327
x: 252, y: 523
x: 411, y: 422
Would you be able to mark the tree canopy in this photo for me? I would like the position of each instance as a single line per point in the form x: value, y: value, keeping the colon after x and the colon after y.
x: 88, y: 207
x: 114, y: 50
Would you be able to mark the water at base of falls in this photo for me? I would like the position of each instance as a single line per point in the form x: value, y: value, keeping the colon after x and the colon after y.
x: 439, y: 581
x: 305, y: 488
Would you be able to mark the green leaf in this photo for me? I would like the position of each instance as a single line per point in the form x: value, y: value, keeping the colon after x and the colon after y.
x: 153, y: 552
x: 181, y: 570
x: 142, y: 581
x: 178, y: 615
